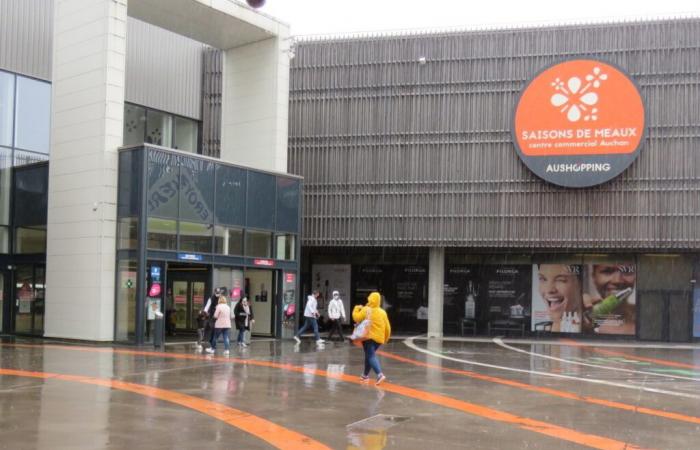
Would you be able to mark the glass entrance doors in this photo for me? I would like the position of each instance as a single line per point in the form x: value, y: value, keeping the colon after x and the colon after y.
x: 28, y: 311
x: 186, y: 296
x: 261, y: 291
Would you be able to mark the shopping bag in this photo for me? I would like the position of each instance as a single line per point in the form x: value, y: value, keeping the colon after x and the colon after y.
x: 361, y: 331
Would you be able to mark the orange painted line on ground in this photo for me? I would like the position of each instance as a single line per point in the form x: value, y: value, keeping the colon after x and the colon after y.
x: 537, y: 426
x: 662, y: 362
x: 269, y: 432
x: 548, y: 391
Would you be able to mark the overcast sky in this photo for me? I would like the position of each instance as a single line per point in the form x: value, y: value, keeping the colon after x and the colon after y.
x: 346, y: 16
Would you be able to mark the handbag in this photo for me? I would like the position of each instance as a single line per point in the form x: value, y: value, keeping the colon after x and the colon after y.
x: 361, y: 330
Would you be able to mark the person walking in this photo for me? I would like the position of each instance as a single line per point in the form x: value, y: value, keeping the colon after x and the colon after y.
x: 310, y: 318
x: 336, y: 315
x: 209, y: 308
x: 222, y: 325
x: 244, y: 318
x: 378, y: 334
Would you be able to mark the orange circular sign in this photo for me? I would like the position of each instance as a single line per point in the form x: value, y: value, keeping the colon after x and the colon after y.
x: 579, y: 123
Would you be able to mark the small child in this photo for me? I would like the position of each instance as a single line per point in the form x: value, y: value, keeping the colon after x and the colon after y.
x: 202, y: 319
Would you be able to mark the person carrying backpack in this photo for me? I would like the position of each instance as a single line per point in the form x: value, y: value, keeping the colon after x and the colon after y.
x: 378, y: 334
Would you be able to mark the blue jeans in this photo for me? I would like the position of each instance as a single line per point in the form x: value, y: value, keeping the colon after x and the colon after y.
x: 218, y: 332
x: 241, y: 335
x: 309, y: 322
x: 371, y: 361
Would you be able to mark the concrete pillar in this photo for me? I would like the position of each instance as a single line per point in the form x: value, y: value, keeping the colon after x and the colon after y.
x: 436, y: 282
x: 86, y: 130
x: 255, y: 101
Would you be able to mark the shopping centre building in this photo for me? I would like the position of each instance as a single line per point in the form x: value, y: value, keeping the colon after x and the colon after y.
x: 522, y: 181
x: 138, y: 172
x: 533, y: 180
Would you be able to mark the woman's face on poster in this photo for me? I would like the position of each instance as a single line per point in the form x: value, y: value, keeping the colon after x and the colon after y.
x: 610, y: 279
x: 559, y: 287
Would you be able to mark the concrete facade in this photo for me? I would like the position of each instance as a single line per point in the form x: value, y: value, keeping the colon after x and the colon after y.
x: 87, y: 124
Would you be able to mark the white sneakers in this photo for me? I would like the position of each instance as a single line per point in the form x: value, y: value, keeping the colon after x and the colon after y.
x: 209, y: 350
x: 296, y: 338
x: 225, y: 352
x: 320, y: 342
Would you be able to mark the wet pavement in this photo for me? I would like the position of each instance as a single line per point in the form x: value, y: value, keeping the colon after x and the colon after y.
x: 450, y: 394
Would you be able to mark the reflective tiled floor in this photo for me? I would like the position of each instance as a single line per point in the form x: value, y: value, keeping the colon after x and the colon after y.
x: 450, y: 394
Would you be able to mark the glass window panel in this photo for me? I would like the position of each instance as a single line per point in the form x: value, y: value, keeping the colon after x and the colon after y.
x: 4, y: 242
x: 286, y: 247
x: 186, y: 134
x: 127, y: 233
x: 163, y: 184
x: 23, y: 158
x: 134, y: 124
x: 5, y: 181
x: 7, y: 106
x: 126, y: 301
x: 159, y: 128
x: 195, y: 237
x: 24, y: 298
x: 287, y: 204
x: 39, y: 299
x: 230, y: 195
x: 196, y: 190
x: 258, y: 244
x: 33, y: 115
x: 31, y: 195
x: 261, y: 200
x: 228, y: 241
x: 30, y: 240
x: 129, y: 183
x: 162, y: 234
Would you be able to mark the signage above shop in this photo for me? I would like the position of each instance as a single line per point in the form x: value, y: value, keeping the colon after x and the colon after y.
x: 189, y: 257
x: 579, y: 123
x: 264, y: 262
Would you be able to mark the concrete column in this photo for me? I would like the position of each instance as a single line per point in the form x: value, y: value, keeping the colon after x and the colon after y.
x: 255, y: 104
x: 86, y: 130
x: 436, y: 282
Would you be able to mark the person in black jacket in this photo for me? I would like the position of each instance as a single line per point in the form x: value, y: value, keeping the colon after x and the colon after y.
x: 209, y: 308
x: 243, y: 313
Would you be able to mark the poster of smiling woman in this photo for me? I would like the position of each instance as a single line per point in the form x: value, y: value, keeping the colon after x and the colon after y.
x: 557, y: 297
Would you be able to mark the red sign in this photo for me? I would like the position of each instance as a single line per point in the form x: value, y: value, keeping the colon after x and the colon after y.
x: 289, y: 277
x: 264, y: 262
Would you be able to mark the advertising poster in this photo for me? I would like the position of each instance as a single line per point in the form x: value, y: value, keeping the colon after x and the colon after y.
x: 504, y: 289
x: 609, y: 297
x: 557, y: 297
x: 595, y: 298
x: 461, y: 295
x: 408, y: 297
x: 332, y: 277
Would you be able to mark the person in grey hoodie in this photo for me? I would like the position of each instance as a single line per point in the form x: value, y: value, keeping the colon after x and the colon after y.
x: 310, y: 318
x: 336, y: 314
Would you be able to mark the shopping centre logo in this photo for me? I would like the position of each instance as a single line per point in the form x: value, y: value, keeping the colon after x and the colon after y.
x: 579, y: 123
x: 576, y: 101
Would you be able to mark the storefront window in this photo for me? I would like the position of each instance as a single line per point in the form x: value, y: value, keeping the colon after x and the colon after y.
x: 195, y: 237
x: 162, y: 234
x: 7, y: 106
x: 287, y: 213
x: 134, y: 125
x: 30, y: 240
x: 258, y: 244
x: 230, y: 195
x: 286, y: 246
x: 33, y: 115
x: 5, y: 180
x: 261, y: 200
x: 228, y: 241
x: 186, y: 134
x: 159, y: 128
x: 125, y: 329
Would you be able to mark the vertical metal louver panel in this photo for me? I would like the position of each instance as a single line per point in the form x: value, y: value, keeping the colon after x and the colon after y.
x: 163, y: 69
x: 26, y: 36
x: 211, y: 102
x: 398, y: 153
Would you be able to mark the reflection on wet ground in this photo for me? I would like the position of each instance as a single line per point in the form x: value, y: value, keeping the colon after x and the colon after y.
x: 447, y: 394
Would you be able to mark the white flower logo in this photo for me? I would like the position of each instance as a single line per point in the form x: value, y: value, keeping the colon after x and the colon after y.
x: 574, y: 100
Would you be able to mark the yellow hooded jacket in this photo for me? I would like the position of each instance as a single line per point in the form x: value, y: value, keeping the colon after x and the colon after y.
x: 380, y: 329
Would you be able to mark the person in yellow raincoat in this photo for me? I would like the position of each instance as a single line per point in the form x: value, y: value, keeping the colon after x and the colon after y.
x: 379, y: 333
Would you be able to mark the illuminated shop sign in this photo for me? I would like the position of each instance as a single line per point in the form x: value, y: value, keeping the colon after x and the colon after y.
x: 264, y: 262
x: 189, y: 257
x: 579, y: 123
